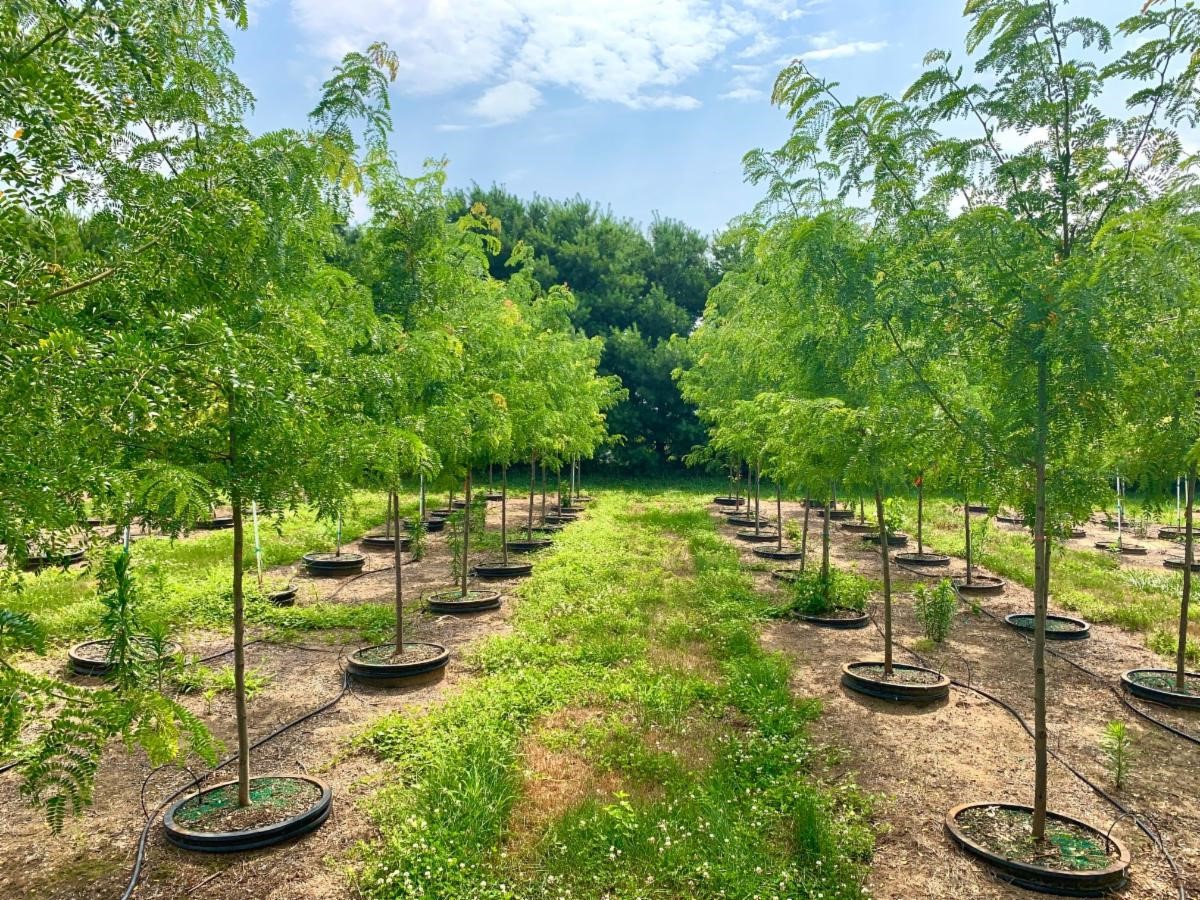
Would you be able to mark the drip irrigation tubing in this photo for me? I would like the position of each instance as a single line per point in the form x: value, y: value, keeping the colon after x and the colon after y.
x: 1145, y: 825
x: 1116, y: 692
x: 140, y: 856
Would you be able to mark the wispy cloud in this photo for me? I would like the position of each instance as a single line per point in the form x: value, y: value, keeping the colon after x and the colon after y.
x: 843, y: 51
x: 743, y: 95
x: 507, y: 102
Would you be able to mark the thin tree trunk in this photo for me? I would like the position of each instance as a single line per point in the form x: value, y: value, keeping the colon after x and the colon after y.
x: 967, y: 532
x: 387, y: 528
x: 398, y: 556
x: 239, y: 644
x: 757, y: 507
x: 862, y: 511
x: 466, y: 547
x: 504, y: 511
x: 1188, y: 557
x: 887, y: 585
x: 543, y: 490
x: 1041, y: 594
x: 779, y: 516
x: 558, y: 476
x: 921, y: 514
x: 421, y: 512
x: 532, y: 493
x: 825, y: 546
x: 804, y: 537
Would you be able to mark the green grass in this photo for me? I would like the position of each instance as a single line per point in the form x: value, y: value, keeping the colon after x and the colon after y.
x: 188, y: 583
x: 1089, y: 582
x: 634, y: 651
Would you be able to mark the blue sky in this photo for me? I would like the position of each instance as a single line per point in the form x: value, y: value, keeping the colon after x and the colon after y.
x: 643, y: 105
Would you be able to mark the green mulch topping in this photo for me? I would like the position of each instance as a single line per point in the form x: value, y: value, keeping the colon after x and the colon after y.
x: 272, y: 800
x: 1165, y: 681
x: 1052, y: 624
x: 900, y: 674
x: 459, y: 597
x: 1007, y: 832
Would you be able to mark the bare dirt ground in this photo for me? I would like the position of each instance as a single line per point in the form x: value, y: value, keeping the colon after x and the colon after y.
x: 94, y: 854
x: 924, y: 761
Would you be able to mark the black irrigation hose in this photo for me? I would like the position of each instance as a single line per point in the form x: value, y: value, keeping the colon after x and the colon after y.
x: 1145, y: 825
x: 140, y: 856
x: 1119, y: 694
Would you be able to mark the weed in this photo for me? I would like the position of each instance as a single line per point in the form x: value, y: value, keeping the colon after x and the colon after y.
x: 935, y: 607
x: 1117, y: 745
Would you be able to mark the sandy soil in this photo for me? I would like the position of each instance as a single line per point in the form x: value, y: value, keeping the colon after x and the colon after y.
x: 94, y: 854
x: 924, y: 761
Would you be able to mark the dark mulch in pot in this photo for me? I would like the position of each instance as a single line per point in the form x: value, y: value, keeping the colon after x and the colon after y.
x: 1069, y: 846
x: 900, y: 675
x: 1165, y: 681
x: 272, y: 800
x: 386, y: 654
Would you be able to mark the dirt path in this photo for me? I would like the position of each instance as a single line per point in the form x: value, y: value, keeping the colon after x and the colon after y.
x: 94, y: 854
x: 925, y: 761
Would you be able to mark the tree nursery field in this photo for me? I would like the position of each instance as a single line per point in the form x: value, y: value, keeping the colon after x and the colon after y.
x: 328, y: 563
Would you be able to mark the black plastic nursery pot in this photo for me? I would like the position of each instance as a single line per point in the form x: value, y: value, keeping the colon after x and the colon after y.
x: 758, y: 537
x: 454, y: 601
x: 433, y: 526
x: 531, y: 546
x: 1172, y: 533
x: 894, y: 540
x: 561, y: 518
x: 922, y: 559
x: 333, y: 565
x: 493, y: 497
x: 495, y: 570
x: 216, y: 523
x: 859, y: 527
x: 979, y: 585
x: 378, y: 665
x: 777, y: 554
x: 728, y: 501
x: 180, y: 825
x: 284, y: 597
x: 836, y: 515
x: 746, y: 521
x: 787, y: 576
x: 459, y: 504
x: 90, y: 658
x: 1062, y: 882
x: 568, y: 509
x: 1158, y: 686
x: 385, y: 542
x: 35, y: 562
x: 1175, y: 563
x: 981, y: 509
x: 1058, y: 628
x: 441, y: 513
x: 909, y: 684
x: 840, y: 619
x: 1010, y: 520
x: 1123, y: 548
x: 1077, y: 533
x: 548, y: 528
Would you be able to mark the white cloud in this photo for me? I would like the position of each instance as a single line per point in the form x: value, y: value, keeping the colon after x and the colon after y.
x: 842, y: 51
x: 450, y: 127
x: 507, y: 102
x: 632, y: 52
x: 744, y: 95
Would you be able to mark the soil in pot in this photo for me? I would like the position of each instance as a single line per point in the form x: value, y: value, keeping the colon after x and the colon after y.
x: 836, y: 515
x: 432, y: 526
x: 563, y: 519
x: 775, y: 553
x: 385, y: 542
x: 493, y: 497
x: 91, y: 657
x: 747, y: 521
x: 1124, y: 548
x: 548, y: 528
x: 859, y: 527
x: 1074, y: 860
x: 281, y: 807
x: 382, y: 665
x: 922, y: 559
x: 758, y: 537
x: 907, y: 684
x: 1058, y: 628
x: 1158, y: 685
x: 1171, y: 533
x: 979, y: 584
x: 502, y: 570
x: 334, y: 564
x: 787, y: 576
x: 454, y: 601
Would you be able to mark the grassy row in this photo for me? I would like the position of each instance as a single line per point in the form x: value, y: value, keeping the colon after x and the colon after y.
x: 634, y: 661
x: 1089, y: 582
x: 187, y: 583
